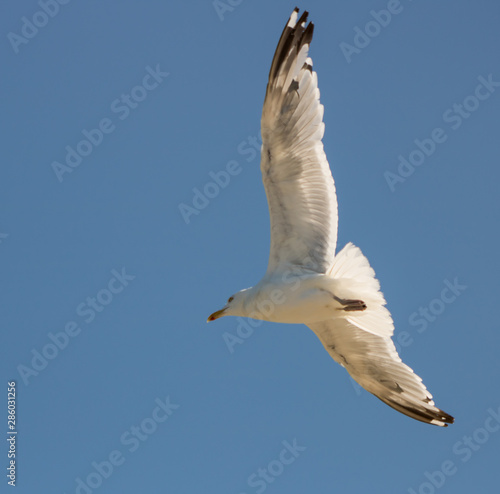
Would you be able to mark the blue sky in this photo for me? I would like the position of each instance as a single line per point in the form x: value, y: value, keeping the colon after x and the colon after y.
x: 117, y: 121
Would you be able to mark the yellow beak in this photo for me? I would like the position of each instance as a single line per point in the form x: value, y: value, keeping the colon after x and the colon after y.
x: 216, y: 315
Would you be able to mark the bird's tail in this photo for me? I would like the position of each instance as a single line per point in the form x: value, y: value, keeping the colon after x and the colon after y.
x: 356, y: 280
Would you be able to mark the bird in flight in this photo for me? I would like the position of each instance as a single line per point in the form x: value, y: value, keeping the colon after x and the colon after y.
x: 337, y: 296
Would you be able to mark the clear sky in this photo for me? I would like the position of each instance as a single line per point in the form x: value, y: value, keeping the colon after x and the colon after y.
x: 132, y: 207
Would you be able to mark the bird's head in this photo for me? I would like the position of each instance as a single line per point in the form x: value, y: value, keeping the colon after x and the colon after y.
x: 234, y: 307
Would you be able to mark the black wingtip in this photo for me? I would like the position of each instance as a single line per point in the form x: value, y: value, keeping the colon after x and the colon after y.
x: 297, y: 35
x: 308, y: 34
x: 421, y: 414
x: 303, y: 18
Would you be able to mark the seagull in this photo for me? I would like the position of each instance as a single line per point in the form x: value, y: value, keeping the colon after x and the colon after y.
x: 336, y: 296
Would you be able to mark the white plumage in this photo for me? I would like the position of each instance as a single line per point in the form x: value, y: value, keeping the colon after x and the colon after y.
x: 337, y: 296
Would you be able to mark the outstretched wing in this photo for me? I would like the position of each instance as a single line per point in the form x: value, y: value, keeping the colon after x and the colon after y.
x: 361, y: 342
x: 296, y: 175
x: 373, y: 362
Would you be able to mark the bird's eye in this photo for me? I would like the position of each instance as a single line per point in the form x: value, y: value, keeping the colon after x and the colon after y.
x: 230, y: 299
